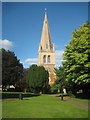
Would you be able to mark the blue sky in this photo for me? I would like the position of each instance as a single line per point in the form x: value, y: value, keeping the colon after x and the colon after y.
x: 22, y: 26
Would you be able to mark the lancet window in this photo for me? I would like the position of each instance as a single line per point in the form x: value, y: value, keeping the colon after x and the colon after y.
x: 44, y: 59
x: 48, y: 59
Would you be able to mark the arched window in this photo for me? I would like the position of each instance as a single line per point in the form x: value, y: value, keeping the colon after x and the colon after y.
x: 44, y: 59
x: 48, y: 59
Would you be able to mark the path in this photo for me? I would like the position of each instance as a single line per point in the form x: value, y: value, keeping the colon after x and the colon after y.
x: 84, y: 105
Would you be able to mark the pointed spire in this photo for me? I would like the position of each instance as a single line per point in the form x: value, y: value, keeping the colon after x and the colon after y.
x: 46, y: 43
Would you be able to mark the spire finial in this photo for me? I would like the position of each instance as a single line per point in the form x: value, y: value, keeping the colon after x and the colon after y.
x: 45, y: 10
x: 45, y: 14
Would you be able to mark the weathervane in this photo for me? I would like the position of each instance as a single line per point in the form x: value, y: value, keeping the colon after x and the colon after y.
x: 45, y: 10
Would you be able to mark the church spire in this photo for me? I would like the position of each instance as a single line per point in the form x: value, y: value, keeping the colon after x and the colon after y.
x: 46, y: 43
x: 46, y: 54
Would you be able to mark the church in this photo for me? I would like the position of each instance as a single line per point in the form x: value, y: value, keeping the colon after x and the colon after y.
x: 46, y: 52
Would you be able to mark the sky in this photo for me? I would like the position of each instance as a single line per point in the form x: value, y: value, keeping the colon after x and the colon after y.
x: 22, y: 27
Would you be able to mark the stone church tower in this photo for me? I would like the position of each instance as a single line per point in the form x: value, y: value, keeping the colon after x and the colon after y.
x: 46, y: 53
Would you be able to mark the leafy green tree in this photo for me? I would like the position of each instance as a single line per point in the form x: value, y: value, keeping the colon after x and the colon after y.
x: 60, y: 79
x: 12, y: 69
x: 59, y: 72
x: 37, y: 78
x: 76, y: 58
x: 54, y: 88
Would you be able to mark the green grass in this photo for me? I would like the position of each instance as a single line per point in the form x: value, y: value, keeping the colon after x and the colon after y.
x: 44, y: 106
x: 0, y: 109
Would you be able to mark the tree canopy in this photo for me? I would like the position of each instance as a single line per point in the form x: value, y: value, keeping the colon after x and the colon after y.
x: 76, y: 56
x: 37, y: 78
x: 12, y: 69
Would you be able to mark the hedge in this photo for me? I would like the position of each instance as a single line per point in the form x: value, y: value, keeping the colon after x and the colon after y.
x: 6, y: 95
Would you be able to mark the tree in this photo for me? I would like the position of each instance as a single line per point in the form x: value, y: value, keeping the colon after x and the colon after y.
x: 12, y: 69
x: 21, y: 84
x: 55, y: 87
x: 76, y: 58
x: 37, y: 78
x: 60, y: 79
x: 60, y: 72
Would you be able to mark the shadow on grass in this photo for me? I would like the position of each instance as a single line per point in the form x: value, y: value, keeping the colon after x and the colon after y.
x: 83, y: 95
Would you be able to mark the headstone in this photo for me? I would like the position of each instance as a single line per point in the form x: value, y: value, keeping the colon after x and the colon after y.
x: 20, y: 96
x: 64, y: 91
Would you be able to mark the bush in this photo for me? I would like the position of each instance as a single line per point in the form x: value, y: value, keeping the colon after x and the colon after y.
x: 54, y: 88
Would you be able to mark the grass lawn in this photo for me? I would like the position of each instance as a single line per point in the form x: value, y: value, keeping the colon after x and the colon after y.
x: 44, y: 106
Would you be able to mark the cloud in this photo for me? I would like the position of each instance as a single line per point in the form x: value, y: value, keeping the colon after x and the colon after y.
x: 6, y: 44
x: 59, y: 53
x: 31, y: 61
x: 59, y: 57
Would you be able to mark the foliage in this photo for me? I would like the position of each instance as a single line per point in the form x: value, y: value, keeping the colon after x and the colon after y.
x: 11, y: 95
x: 76, y: 56
x: 60, y: 79
x: 54, y: 88
x: 21, y: 84
x: 37, y: 78
x: 12, y: 69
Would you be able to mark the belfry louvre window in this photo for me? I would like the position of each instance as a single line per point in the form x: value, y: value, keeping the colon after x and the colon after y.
x: 48, y: 59
x: 44, y: 59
